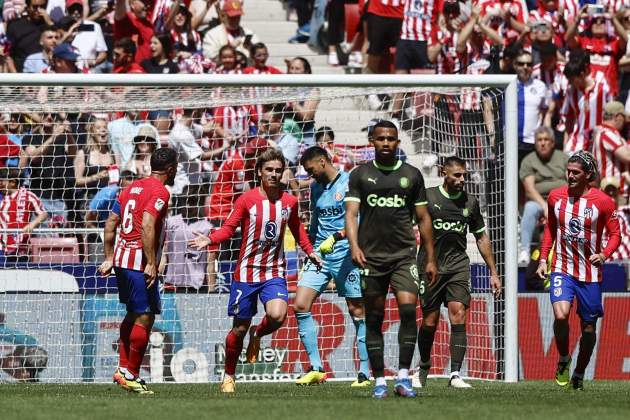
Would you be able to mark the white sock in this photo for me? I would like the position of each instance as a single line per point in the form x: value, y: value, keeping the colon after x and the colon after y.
x: 403, y: 373
x: 455, y: 373
x: 380, y: 381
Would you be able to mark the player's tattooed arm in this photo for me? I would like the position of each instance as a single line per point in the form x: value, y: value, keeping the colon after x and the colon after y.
x: 485, y: 249
x: 352, y: 233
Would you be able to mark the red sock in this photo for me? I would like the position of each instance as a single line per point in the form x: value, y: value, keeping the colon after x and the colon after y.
x: 233, y: 348
x: 266, y: 327
x: 123, y: 343
x: 137, y: 346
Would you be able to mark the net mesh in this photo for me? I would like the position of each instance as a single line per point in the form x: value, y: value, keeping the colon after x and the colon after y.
x: 75, y: 147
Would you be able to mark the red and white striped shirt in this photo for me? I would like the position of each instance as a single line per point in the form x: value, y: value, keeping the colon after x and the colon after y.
x: 606, y: 140
x: 420, y: 16
x: 16, y: 211
x: 555, y: 79
x: 623, y: 250
x: 236, y: 120
x: 576, y: 224
x: 143, y: 195
x: 584, y: 110
x: 263, y: 223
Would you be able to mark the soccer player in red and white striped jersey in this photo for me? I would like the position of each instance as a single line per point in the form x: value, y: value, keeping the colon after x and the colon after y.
x: 141, y: 211
x: 583, y: 106
x: 578, y: 214
x: 263, y: 214
x: 610, y: 149
x: 17, y: 208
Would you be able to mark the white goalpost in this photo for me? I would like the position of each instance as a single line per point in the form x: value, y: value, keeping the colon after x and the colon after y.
x: 79, y: 138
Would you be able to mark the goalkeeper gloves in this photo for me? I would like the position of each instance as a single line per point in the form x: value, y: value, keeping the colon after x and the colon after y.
x: 328, y: 245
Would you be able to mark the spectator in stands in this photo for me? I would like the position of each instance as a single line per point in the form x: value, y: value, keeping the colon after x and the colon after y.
x: 605, y: 49
x: 419, y: 18
x: 24, y: 33
x: 9, y: 150
x: 124, y: 53
x: 87, y: 37
x: 230, y: 32
x: 298, y: 65
x: 304, y: 11
x: 19, y: 209
x: 384, y: 22
x: 271, y: 128
x: 103, y: 202
x: 235, y: 176
x: 610, y: 149
x: 12, y: 127
x: 507, y: 17
x: 183, y: 138
x: 38, y: 61
x: 624, y: 62
x: 145, y: 143
x: 547, y: 22
x: 541, y: 171
x: 64, y: 60
x: 7, y: 65
x: 342, y: 157
x: 95, y: 162
x: 12, y: 9
x: 533, y: 103
x: 585, y: 96
x: 182, y: 27
x: 50, y: 148
x: 259, y: 55
x: 162, y: 53
x: 98, y: 211
x: 542, y: 35
x: 134, y: 24
x: 227, y: 61
x: 121, y: 135
x: 181, y: 265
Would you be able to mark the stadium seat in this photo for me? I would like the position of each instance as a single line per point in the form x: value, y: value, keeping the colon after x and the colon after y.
x: 54, y: 251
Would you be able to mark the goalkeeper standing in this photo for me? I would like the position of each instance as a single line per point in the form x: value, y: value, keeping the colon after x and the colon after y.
x: 454, y: 214
x: 327, y: 232
x: 386, y: 195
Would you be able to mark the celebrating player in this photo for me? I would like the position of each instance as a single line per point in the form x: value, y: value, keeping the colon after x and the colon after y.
x: 328, y: 233
x: 577, y: 216
x: 388, y: 194
x: 263, y: 215
x: 140, y: 210
x: 454, y: 214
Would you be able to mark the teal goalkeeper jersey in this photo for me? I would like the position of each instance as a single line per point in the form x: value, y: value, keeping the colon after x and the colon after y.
x: 328, y: 211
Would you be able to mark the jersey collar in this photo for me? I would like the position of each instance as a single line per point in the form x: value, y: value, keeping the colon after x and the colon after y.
x: 450, y: 196
x: 331, y: 183
x: 397, y: 165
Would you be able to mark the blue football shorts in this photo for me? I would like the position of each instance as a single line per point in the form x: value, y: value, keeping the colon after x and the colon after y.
x: 243, y: 303
x: 588, y: 295
x: 342, y: 270
x: 133, y: 292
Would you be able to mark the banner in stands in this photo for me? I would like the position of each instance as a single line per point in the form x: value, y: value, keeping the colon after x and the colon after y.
x: 67, y: 336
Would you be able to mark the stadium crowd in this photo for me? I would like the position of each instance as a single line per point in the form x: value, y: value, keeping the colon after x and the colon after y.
x: 570, y: 56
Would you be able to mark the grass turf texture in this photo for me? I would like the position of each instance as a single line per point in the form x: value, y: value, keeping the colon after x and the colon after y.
x: 525, y: 400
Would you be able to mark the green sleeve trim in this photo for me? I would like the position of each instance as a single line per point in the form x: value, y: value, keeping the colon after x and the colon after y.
x: 422, y: 203
x: 353, y: 199
x: 480, y: 230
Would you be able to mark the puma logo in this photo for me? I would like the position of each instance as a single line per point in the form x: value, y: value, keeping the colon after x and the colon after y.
x: 437, y: 206
x: 373, y: 180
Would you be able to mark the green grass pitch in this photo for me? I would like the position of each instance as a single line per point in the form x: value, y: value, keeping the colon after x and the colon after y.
x: 331, y: 401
